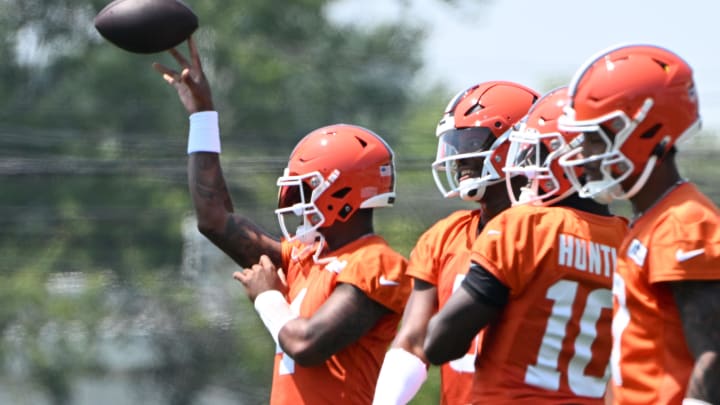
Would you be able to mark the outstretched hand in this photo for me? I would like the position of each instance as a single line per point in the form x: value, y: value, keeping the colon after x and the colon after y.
x: 261, y: 277
x: 190, y: 82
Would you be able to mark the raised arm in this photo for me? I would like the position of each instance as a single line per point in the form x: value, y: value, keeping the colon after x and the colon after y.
x: 699, y: 306
x: 235, y: 234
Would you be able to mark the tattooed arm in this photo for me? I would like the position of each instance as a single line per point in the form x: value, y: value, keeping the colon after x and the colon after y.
x: 235, y: 234
x: 346, y: 316
x: 699, y: 306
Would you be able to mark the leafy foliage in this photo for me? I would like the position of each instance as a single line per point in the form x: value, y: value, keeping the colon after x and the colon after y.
x: 97, y: 256
x: 102, y: 271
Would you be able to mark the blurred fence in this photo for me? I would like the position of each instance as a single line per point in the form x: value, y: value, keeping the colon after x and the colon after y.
x: 127, y: 369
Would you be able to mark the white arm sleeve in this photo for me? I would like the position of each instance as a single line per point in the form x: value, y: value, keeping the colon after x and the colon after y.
x: 693, y: 401
x: 274, y: 311
x: 401, y: 376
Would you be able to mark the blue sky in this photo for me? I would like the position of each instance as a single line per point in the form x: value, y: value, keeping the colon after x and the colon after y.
x: 534, y: 41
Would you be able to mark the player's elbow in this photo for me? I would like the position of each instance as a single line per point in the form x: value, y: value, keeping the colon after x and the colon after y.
x: 300, y: 343
x: 305, y: 355
x: 411, y: 342
x: 434, y: 356
x: 436, y: 348
x: 438, y: 355
x: 210, y: 225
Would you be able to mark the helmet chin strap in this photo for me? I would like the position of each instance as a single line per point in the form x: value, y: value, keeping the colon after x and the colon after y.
x: 602, y: 191
x: 472, y: 193
x: 306, y: 234
x: 604, y: 197
x: 310, y: 237
x: 473, y: 189
x: 640, y: 182
x: 526, y: 195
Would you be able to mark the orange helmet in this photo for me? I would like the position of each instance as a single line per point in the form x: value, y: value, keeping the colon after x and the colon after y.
x: 472, y: 127
x: 535, y: 149
x: 641, y: 100
x: 333, y: 172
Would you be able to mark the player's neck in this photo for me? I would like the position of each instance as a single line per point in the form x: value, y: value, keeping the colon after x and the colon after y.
x: 664, y: 179
x: 342, y: 233
x: 583, y: 204
x: 494, y: 202
x: 489, y: 211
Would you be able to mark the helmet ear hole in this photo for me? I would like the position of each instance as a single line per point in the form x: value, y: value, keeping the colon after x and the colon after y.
x: 345, y: 211
x: 341, y: 193
x: 661, y: 149
x: 651, y: 132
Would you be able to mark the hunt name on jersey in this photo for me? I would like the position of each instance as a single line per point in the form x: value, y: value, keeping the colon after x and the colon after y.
x: 586, y: 256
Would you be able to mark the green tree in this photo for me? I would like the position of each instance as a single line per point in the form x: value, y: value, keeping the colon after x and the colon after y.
x: 93, y: 184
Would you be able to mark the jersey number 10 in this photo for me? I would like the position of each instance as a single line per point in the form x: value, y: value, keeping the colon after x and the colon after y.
x: 545, y: 372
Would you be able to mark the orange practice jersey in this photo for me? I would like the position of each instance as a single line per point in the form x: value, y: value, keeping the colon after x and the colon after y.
x: 349, y: 376
x: 677, y: 239
x: 552, y: 341
x: 441, y: 257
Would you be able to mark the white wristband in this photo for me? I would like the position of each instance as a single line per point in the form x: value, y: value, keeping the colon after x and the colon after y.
x: 401, y: 376
x: 694, y: 401
x: 204, y: 132
x: 274, y: 311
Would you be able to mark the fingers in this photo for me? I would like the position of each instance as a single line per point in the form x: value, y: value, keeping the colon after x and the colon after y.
x: 168, y: 74
x: 243, y: 276
x: 189, y: 75
x: 185, y: 76
x: 170, y: 79
x: 172, y: 76
x: 266, y: 262
x: 194, y: 54
x: 180, y: 58
x: 159, y: 67
x: 281, y: 276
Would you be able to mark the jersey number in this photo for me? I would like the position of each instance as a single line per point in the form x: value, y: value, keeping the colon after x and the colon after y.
x: 545, y: 372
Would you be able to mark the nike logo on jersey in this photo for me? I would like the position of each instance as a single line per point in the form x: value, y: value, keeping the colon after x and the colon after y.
x: 384, y: 281
x: 682, y: 255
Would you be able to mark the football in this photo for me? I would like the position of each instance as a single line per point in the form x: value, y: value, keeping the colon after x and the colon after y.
x: 146, y: 26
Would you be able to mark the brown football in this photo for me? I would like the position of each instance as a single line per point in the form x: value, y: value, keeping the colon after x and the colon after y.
x: 146, y: 26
